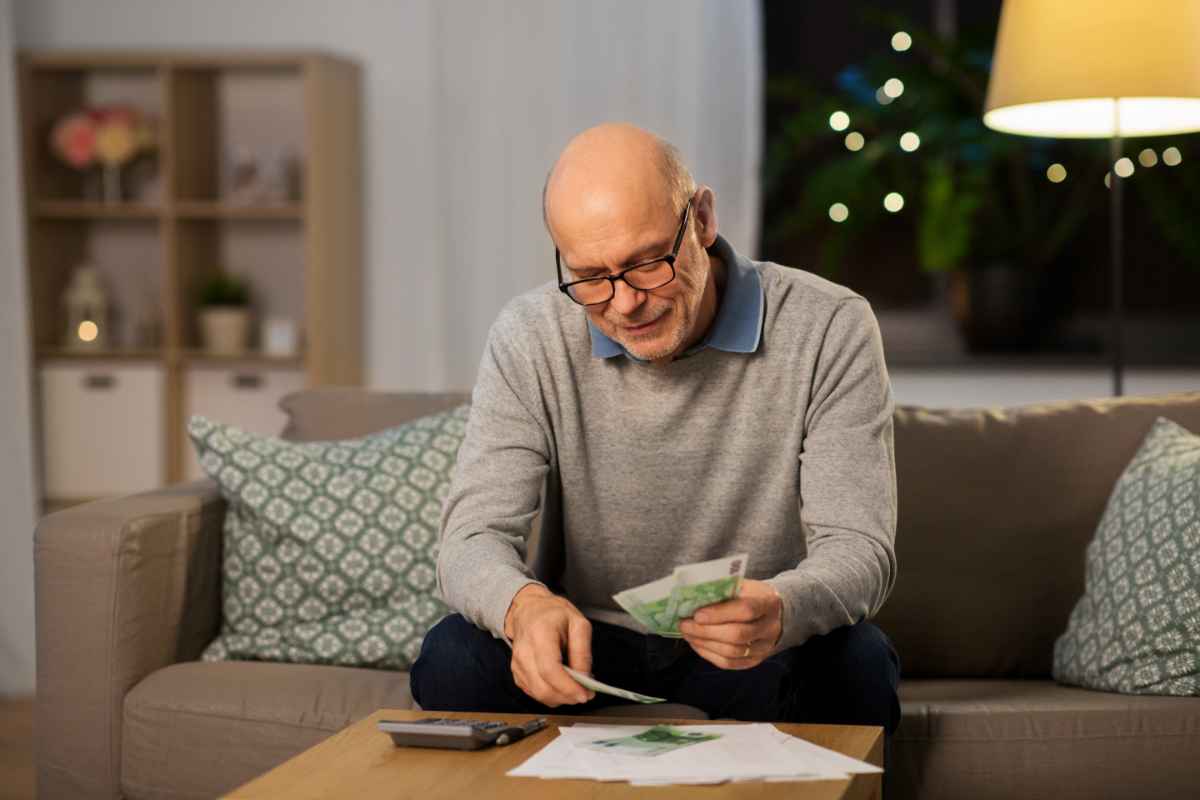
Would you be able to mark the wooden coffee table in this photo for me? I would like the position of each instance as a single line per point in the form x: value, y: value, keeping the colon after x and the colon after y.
x: 361, y: 763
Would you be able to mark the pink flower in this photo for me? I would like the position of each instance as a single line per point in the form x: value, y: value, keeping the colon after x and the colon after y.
x: 74, y: 140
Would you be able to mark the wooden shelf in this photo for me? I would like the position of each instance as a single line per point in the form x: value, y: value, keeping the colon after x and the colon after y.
x: 208, y: 209
x: 183, y: 209
x: 89, y: 209
x: 199, y: 357
x: 155, y: 256
x: 114, y: 354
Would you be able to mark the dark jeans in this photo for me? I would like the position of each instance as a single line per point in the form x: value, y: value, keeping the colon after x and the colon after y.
x: 848, y: 676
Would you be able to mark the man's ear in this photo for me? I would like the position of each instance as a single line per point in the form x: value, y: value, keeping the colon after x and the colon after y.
x: 705, y: 210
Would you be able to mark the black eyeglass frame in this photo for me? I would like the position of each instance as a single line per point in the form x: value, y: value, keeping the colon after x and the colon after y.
x: 620, y: 276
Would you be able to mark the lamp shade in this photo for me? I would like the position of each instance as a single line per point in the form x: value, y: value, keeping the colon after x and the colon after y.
x: 1096, y: 68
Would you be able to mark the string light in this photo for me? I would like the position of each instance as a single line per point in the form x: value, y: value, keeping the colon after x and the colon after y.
x: 901, y: 41
x: 909, y: 141
x: 882, y: 97
x: 1172, y: 157
x: 893, y: 202
x: 838, y: 212
x: 1124, y: 168
x: 839, y: 120
x: 1147, y: 158
x: 1108, y: 180
x: 855, y: 141
x: 893, y: 88
x: 1057, y: 173
x: 88, y: 331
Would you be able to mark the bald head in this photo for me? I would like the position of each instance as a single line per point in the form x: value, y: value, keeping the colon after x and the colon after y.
x: 612, y: 171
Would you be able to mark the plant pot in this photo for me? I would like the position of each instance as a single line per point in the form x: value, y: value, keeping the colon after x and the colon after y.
x: 225, y: 329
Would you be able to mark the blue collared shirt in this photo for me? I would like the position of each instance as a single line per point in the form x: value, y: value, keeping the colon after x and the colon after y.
x: 737, y: 327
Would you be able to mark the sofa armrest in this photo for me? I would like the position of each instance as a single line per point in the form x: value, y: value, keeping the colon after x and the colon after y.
x: 123, y: 587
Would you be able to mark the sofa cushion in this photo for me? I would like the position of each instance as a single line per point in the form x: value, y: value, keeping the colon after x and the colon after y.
x: 200, y: 729
x: 1137, y: 627
x: 1001, y: 739
x: 330, y: 547
x: 342, y: 412
x: 996, y: 508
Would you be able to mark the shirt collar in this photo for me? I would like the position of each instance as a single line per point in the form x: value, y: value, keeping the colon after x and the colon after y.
x: 737, y: 327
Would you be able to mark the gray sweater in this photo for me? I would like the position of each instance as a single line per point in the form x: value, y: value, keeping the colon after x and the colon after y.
x: 784, y: 453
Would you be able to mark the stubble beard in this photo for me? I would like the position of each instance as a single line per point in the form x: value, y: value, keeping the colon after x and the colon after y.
x: 651, y: 350
x: 681, y: 317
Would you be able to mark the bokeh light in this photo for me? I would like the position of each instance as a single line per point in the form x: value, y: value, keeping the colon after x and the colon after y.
x: 1057, y: 173
x: 838, y: 212
x: 893, y: 202
x: 839, y: 120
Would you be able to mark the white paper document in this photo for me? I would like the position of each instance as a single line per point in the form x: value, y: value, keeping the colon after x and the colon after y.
x: 752, y: 751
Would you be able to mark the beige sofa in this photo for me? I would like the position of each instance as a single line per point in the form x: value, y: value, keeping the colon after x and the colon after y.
x: 996, y: 508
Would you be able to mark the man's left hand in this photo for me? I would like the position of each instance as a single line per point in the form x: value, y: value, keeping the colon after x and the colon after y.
x: 739, y: 633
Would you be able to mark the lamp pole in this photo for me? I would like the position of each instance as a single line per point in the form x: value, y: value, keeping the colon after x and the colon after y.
x: 1116, y: 242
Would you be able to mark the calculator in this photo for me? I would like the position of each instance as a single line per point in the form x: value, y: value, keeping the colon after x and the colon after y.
x: 457, y: 734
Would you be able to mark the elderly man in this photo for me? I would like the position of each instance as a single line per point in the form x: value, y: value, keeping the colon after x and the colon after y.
x: 680, y: 403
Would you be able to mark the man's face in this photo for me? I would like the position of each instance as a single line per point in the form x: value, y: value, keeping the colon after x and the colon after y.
x: 650, y: 324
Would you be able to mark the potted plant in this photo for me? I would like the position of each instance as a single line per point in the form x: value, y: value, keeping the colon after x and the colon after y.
x: 987, y: 223
x: 224, y: 302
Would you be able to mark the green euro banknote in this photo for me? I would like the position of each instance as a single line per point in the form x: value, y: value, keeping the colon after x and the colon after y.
x: 661, y: 604
x: 653, y: 741
x: 650, y: 605
x: 589, y: 682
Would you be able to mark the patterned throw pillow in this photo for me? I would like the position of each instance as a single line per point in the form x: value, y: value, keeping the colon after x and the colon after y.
x: 330, y: 547
x: 1137, y: 627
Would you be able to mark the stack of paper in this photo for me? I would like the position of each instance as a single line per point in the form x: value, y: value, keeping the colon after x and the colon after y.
x: 754, y: 751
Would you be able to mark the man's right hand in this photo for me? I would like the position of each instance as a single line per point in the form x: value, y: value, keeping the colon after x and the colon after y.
x: 540, y: 624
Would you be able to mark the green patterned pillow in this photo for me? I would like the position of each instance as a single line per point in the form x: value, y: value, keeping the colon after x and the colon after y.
x: 330, y: 548
x: 1137, y: 627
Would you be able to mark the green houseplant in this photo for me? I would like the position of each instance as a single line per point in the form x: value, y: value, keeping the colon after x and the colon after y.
x: 978, y: 205
x: 224, y: 302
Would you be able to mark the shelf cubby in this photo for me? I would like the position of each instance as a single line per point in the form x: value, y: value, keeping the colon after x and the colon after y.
x: 180, y: 220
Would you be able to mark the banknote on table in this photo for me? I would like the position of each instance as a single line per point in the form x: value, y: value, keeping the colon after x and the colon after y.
x: 661, y: 604
x: 588, y: 682
x: 652, y: 742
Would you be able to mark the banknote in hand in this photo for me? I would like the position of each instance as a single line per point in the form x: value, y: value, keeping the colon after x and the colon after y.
x: 661, y: 604
x: 587, y: 681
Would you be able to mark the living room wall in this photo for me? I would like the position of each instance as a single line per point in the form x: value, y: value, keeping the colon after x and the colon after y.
x: 466, y: 105
x: 17, y: 490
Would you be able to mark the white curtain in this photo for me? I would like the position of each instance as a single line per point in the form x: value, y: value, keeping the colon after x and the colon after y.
x: 516, y: 80
x: 18, y: 490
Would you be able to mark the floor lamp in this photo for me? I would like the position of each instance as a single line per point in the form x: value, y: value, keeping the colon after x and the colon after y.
x: 1097, y: 69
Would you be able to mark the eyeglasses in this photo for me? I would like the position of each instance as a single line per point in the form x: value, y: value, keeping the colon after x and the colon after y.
x: 652, y: 274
